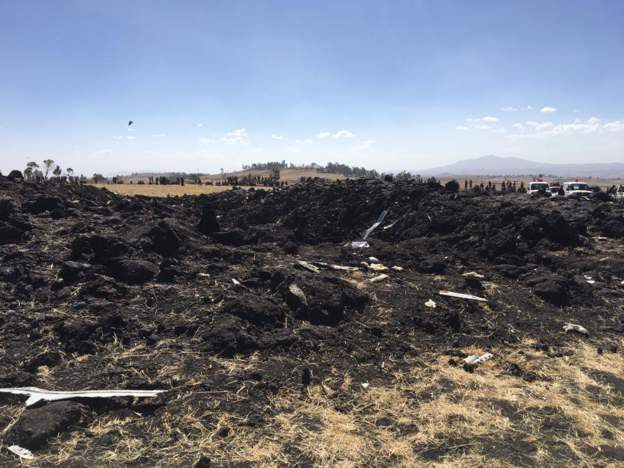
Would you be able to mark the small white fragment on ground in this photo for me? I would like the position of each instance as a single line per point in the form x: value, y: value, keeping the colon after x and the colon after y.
x: 343, y: 268
x: 589, y: 279
x: 373, y: 259
x: 377, y: 267
x: 35, y: 395
x: 359, y: 245
x: 379, y: 278
x: 397, y: 268
x: 365, y: 385
x: 470, y: 297
x: 21, y: 452
x: 203, y: 275
x: 236, y: 282
x: 308, y: 266
x: 475, y: 359
x: 570, y: 327
x: 297, y: 292
x: 430, y: 303
x: 473, y: 274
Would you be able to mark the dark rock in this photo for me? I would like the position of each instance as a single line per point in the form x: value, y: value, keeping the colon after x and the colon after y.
x: 165, y: 239
x: 44, y: 203
x: 203, y: 462
x: 228, y: 337
x: 10, y: 234
x: 208, y: 223
x: 72, y: 271
x: 552, y: 289
x: 8, y: 209
x: 15, y: 176
x: 235, y: 237
x: 306, y: 377
x: 36, y: 426
x: 99, y: 248
x: 134, y: 271
x: 256, y: 310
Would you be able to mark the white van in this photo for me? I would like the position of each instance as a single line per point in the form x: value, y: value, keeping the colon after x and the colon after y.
x: 538, y: 187
x: 576, y: 189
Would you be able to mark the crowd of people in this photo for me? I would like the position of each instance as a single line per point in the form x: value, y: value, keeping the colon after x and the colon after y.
x: 507, y: 186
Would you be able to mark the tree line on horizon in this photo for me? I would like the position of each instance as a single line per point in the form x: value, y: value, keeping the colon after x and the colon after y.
x: 332, y: 167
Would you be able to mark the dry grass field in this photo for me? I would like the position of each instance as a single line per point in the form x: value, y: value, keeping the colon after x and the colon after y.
x: 432, y: 415
x: 288, y: 175
x: 162, y: 190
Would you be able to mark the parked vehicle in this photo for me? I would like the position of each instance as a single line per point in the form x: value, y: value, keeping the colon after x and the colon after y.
x: 576, y: 189
x: 555, y: 190
x: 538, y: 187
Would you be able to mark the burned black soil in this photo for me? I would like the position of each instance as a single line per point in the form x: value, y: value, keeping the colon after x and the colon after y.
x: 207, y: 297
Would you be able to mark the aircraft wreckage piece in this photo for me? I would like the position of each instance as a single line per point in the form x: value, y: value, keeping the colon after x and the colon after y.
x: 35, y: 395
x: 469, y: 297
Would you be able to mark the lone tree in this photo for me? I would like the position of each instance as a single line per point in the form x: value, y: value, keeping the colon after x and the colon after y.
x: 97, y: 178
x: 48, y: 163
x: 70, y: 171
x: 57, y: 171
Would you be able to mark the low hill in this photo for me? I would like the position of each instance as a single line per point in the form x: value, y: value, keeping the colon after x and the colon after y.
x: 496, y: 165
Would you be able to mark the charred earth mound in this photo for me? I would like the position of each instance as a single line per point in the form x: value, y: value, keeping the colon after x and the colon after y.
x: 228, y: 300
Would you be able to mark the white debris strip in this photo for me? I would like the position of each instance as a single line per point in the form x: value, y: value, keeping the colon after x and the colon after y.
x: 367, y: 233
x: 35, y: 395
x: 21, y: 452
x: 474, y: 359
x: 308, y: 266
x: 359, y: 245
x: 379, y: 278
x: 470, y: 297
x: 473, y: 274
x: 570, y: 327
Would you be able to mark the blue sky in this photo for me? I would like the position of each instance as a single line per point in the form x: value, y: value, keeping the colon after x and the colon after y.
x: 385, y: 84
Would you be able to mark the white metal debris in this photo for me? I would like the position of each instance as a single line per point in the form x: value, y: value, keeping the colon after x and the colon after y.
x: 397, y: 268
x: 570, y: 327
x: 474, y: 274
x: 379, y: 278
x: 36, y: 395
x: 377, y: 267
x: 430, y: 303
x: 308, y: 266
x: 331, y: 266
x: 475, y: 359
x: 359, y: 245
x: 373, y: 259
x: 367, y: 233
x: 365, y: 385
x: 297, y: 292
x: 462, y: 296
x: 21, y: 452
x: 343, y: 268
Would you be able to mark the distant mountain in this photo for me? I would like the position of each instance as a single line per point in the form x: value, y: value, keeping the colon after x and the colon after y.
x: 499, y: 166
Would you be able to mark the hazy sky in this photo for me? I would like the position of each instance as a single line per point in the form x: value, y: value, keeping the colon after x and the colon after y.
x: 384, y: 84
